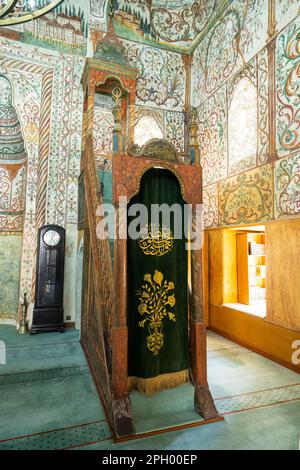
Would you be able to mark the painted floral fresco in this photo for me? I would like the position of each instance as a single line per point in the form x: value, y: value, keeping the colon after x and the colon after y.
x: 263, y: 116
x: 177, y: 22
x: 12, y: 161
x: 225, y: 150
x: 26, y: 99
x: 103, y: 130
x: 174, y: 129
x: 247, y: 198
x: 213, y: 137
x: 237, y: 36
x: 210, y: 203
x: 51, y: 125
x: 180, y: 21
x: 288, y: 89
x: 12, y: 200
x: 162, y: 78
x: 287, y: 187
x: 287, y: 10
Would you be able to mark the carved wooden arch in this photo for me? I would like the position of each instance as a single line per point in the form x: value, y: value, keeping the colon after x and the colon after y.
x: 128, y: 173
x: 102, y: 78
x: 163, y: 167
x: 97, y: 72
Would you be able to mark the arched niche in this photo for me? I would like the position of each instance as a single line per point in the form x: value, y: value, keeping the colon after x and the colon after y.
x: 146, y: 129
x: 157, y: 283
x: 12, y: 157
x: 13, y: 162
x: 242, y: 124
x: 128, y: 170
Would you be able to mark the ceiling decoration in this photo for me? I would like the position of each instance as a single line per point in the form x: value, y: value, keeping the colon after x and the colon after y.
x: 176, y: 22
x: 20, y: 11
x: 180, y: 23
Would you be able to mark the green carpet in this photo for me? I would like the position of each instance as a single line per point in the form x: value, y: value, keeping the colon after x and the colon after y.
x: 270, y: 428
x: 49, y: 401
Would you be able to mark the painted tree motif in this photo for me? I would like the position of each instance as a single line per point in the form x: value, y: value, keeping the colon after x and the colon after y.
x: 288, y: 90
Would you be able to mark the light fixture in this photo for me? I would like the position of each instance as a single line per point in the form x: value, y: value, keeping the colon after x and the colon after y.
x: 20, y: 11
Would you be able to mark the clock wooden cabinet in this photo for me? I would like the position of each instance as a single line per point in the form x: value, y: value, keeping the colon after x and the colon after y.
x: 48, y: 313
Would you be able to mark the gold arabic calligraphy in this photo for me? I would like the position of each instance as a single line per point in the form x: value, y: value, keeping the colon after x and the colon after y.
x: 156, y: 241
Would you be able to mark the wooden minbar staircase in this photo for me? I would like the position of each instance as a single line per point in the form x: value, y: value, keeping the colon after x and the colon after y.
x: 104, y: 306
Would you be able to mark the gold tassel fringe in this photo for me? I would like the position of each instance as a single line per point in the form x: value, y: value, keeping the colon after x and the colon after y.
x: 156, y: 384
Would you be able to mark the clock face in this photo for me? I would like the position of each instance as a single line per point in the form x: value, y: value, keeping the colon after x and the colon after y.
x: 52, y: 238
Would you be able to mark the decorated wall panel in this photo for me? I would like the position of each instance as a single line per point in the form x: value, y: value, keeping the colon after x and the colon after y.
x: 247, y: 198
x: 211, y: 204
x: 288, y: 89
x: 262, y: 109
x: 48, y: 99
x: 174, y: 129
x: 242, y: 120
x: 12, y: 200
x: 287, y: 187
x: 103, y: 127
x: 161, y: 82
x: 234, y: 132
x: 177, y: 23
x: 287, y: 10
x: 10, y: 260
x: 213, y: 137
x: 236, y: 37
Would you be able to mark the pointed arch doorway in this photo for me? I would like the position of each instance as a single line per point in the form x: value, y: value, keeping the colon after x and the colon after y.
x: 157, y: 270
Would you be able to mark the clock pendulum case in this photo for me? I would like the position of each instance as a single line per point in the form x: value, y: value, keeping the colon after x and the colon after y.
x: 48, y: 313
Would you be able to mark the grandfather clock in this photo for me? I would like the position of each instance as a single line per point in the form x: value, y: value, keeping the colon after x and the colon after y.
x: 48, y: 313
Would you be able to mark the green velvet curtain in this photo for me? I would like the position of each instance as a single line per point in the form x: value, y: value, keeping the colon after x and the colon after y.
x: 157, y: 294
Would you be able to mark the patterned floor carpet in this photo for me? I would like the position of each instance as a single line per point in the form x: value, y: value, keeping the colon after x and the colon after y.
x: 248, y: 383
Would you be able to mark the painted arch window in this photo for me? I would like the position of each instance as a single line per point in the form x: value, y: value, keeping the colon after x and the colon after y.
x: 242, y: 123
x: 146, y: 129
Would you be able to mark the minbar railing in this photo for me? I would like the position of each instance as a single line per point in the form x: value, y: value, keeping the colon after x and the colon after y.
x: 98, y: 286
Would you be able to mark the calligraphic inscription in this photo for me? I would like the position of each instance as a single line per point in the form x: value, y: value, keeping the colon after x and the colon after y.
x: 156, y: 241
